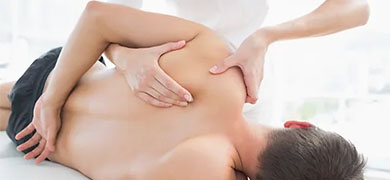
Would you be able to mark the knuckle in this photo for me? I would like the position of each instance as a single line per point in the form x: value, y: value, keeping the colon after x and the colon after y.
x: 37, y: 150
x: 172, y: 96
x: 168, y: 84
x: 166, y: 93
x: 159, y: 96
x: 34, y: 152
x: 158, y: 103
x: 167, y: 100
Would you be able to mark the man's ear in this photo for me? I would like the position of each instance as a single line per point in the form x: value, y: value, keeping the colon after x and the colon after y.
x: 298, y: 124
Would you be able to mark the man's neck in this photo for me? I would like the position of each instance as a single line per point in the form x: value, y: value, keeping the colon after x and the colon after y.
x: 249, y: 140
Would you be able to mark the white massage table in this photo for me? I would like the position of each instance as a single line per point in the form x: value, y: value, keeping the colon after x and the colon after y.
x: 14, y: 167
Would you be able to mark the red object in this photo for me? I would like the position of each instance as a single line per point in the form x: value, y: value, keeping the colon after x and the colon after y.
x: 298, y: 124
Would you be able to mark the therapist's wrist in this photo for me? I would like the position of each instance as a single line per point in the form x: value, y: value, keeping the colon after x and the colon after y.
x: 267, y: 34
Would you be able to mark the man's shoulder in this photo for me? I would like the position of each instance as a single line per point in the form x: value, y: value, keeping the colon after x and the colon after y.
x: 206, y: 157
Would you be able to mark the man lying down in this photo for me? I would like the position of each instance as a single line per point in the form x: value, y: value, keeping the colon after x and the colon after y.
x: 108, y: 133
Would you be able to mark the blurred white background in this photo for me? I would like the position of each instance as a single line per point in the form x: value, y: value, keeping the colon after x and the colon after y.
x: 339, y: 82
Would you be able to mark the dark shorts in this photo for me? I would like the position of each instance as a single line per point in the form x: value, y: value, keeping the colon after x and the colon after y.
x: 27, y: 91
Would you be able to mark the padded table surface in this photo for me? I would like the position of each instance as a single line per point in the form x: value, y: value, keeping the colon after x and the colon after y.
x: 14, y: 167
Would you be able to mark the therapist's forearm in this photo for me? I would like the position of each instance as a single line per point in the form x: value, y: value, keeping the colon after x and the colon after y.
x: 332, y: 16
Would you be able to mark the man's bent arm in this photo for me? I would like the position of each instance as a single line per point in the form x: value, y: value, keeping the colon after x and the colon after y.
x: 102, y: 24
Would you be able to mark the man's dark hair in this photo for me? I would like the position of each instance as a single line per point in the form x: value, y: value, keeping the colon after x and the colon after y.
x: 309, y: 154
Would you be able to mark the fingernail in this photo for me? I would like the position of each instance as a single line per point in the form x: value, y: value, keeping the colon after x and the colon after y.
x: 188, y: 98
x: 213, y: 69
x: 182, y: 42
x: 183, y: 103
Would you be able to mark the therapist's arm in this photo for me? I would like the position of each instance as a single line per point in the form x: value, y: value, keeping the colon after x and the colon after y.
x: 332, y: 16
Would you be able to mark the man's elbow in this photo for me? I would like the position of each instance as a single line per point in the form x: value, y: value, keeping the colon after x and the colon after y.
x: 94, y: 9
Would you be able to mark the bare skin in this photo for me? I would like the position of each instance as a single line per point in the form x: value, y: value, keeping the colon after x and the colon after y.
x: 109, y: 133
x: 177, y: 153
x: 158, y: 140
x: 331, y: 17
x: 134, y: 29
x: 5, y: 105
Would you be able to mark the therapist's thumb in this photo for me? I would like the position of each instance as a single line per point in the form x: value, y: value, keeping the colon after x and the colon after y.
x: 222, y: 66
x: 171, y: 46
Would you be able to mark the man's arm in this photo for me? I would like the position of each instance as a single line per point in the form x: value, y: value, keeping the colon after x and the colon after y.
x: 332, y: 16
x: 102, y: 24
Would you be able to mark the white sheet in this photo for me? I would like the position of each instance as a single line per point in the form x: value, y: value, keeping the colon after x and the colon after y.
x: 14, y: 167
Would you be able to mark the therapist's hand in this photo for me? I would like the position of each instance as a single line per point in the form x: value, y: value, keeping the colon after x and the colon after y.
x: 249, y: 57
x: 46, y: 123
x: 146, y: 78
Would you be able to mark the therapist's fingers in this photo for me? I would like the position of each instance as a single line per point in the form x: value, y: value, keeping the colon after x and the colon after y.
x: 31, y: 142
x: 26, y: 131
x: 172, y: 85
x: 224, y: 65
x: 251, y: 87
x: 167, y: 95
x: 145, y: 96
x: 161, y: 98
x: 171, y: 46
x: 37, y: 151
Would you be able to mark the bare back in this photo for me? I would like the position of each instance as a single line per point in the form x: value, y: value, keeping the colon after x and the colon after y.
x: 108, y: 133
